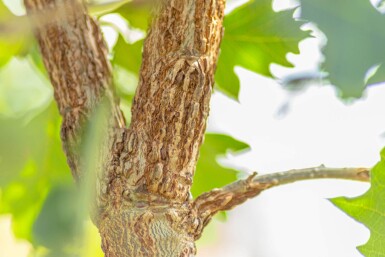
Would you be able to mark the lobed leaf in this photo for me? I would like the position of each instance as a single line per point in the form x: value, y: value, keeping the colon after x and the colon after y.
x: 256, y: 36
x: 369, y: 209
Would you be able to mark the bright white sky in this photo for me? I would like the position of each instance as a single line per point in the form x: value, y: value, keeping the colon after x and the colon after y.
x: 294, y: 220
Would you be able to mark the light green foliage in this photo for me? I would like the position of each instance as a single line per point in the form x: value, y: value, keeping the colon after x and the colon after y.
x: 32, y: 162
x: 127, y: 55
x: 11, y: 44
x: 36, y: 185
x: 355, y: 40
x: 31, y: 158
x: 209, y: 173
x: 125, y: 83
x: 255, y: 36
x: 369, y: 209
x: 22, y: 95
x: 138, y: 15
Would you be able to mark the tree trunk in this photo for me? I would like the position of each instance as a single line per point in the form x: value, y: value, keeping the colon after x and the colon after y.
x: 168, y: 122
x: 143, y: 205
x: 143, y: 174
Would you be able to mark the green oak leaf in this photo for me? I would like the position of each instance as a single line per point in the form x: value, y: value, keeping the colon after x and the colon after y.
x: 369, y: 209
x: 209, y: 173
x: 256, y: 36
x: 354, y: 40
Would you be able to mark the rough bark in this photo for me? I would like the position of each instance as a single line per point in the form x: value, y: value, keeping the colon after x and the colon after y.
x: 232, y: 195
x: 143, y: 205
x: 158, y: 153
x: 75, y: 57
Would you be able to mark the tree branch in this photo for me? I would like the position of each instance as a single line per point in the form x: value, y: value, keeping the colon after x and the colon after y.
x: 226, y: 198
x: 76, y: 59
x: 171, y: 103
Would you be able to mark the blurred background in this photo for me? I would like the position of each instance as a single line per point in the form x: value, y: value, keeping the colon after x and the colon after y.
x: 304, y: 125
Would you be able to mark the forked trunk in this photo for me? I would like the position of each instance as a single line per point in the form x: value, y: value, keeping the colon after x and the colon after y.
x: 143, y: 205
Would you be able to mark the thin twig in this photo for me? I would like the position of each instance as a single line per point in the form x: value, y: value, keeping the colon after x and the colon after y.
x: 226, y: 198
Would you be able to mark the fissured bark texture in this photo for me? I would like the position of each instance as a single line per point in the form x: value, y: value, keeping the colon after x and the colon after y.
x: 142, y: 187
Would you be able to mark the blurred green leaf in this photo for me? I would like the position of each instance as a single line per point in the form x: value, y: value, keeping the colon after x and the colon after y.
x: 4, y: 11
x: 15, y: 6
x: 381, y: 6
x: 23, y: 89
x: 127, y: 60
x: 369, y: 209
x: 209, y: 173
x: 256, y: 36
x: 92, y: 241
x: 137, y: 14
x: 125, y: 82
x: 11, y: 43
x: 354, y: 40
x: 59, y: 223
x: 128, y: 56
x: 378, y: 77
x: 32, y: 162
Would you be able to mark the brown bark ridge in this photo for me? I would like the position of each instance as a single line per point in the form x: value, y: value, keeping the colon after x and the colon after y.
x: 145, y: 174
x: 75, y: 57
x: 151, y: 185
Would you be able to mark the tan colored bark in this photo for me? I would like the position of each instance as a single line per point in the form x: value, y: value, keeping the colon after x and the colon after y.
x: 144, y: 176
x: 172, y: 100
x: 75, y: 57
x: 158, y: 153
x: 232, y: 195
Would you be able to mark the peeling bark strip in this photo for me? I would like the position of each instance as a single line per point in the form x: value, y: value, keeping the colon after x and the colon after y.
x: 75, y: 57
